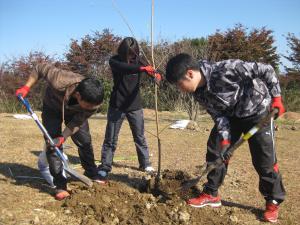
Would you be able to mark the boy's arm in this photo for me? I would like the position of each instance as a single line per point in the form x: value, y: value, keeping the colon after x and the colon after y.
x: 23, y: 91
x: 129, y: 68
x: 59, y: 79
x: 267, y: 74
x: 223, y: 127
x: 73, y: 126
x: 122, y: 67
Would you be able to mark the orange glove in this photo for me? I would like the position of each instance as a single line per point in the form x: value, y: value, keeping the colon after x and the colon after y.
x: 23, y: 91
x: 225, y: 144
x: 277, y: 103
x: 148, y: 69
x: 157, y: 78
x: 57, y: 141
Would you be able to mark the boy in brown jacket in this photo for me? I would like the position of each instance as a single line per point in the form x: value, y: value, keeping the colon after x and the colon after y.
x: 70, y: 98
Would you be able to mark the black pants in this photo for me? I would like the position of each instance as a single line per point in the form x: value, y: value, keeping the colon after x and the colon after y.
x: 115, y: 119
x: 263, y: 155
x: 52, y: 120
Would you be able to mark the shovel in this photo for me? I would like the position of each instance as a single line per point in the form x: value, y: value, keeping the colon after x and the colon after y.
x: 66, y: 166
x: 206, y: 168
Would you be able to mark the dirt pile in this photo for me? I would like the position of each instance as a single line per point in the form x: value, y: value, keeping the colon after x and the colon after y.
x: 122, y: 203
x: 291, y: 116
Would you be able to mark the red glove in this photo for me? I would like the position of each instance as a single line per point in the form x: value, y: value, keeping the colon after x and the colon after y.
x: 23, y: 91
x: 58, y: 142
x: 277, y: 103
x: 157, y: 78
x: 148, y: 69
x: 224, y: 146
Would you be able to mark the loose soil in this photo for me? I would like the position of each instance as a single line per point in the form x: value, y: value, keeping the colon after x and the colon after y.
x: 26, y: 199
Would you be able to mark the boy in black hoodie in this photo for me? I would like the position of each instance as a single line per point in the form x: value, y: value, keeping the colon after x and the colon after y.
x: 125, y: 101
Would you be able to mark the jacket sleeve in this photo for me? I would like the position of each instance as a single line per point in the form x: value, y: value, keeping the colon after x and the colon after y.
x: 122, y: 67
x: 73, y: 126
x: 224, y: 87
x: 59, y: 79
x: 222, y: 124
x: 266, y: 73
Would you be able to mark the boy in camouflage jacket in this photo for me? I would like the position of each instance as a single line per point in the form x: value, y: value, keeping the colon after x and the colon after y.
x: 237, y: 95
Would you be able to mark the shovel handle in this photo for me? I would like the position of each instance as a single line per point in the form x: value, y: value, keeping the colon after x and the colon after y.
x: 211, y: 166
x: 69, y: 170
x: 250, y: 133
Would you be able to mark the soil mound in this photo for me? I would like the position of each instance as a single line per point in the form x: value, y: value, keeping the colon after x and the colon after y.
x: 120, y: 202
x: 291, y: 116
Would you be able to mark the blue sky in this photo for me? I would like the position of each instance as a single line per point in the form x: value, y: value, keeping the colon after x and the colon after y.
x: 48, y: 25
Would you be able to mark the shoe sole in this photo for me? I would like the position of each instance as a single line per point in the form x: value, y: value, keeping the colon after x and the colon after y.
x: 213, y: 205
x: 61, y: 198
x: 271, y: 221
x: 101, y: 182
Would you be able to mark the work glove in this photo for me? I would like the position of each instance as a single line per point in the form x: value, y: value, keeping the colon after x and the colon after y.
x: 148, y: 69
x: 23, y: 91
x: 225, y: 144
x: 157, y: 78
x: 152, y: 73
x: 58, y: 142
x: 277, y: 103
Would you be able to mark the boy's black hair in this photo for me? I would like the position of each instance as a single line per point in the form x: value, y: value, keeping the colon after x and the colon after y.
x: 129, y: 49
x: 91, y: 90
x: 178, y: 65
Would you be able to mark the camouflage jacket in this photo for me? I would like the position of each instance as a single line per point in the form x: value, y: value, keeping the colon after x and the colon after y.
x: 61, y: 84
x: 236, y: 89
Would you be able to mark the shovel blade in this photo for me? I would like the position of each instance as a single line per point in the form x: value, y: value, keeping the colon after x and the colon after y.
x: 79, y: 176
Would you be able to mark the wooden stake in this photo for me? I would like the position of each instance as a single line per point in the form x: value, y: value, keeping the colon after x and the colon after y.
x: 157, y: 178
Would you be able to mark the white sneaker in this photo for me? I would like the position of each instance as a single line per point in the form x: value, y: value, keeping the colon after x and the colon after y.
x: 149, y: 169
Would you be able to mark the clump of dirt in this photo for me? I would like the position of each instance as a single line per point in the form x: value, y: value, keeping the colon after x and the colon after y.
x: 193, y: 125
x: 120, y: 203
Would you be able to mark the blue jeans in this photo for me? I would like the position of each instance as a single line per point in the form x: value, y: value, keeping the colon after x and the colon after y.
x: 115, y: 119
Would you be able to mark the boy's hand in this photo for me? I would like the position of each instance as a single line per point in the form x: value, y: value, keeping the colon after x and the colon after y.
x: 157, y: 78
x: 148, y: 69
x: 57, y: 141
x: 225, y: 144
x: 23, y: 91
x: 277, y: 103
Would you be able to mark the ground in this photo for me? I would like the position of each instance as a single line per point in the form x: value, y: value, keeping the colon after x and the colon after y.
x: 26, y: 199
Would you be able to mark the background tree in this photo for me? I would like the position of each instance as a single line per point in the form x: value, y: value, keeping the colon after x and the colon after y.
x: 238, y: 43
x: 91, y: 54
x: 14, y: 73
x: 290, y: 84
x: 294, y: 56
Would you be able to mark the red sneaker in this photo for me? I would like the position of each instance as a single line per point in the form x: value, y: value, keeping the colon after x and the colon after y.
x: 61, y: 194
x: 205, y: 200
x: 271, y: 212
x: 100, y: 181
